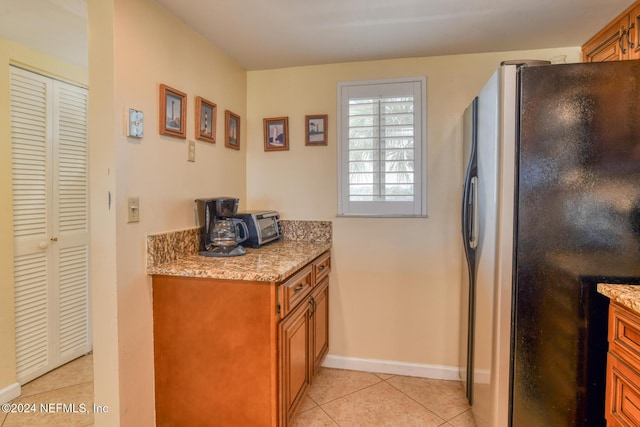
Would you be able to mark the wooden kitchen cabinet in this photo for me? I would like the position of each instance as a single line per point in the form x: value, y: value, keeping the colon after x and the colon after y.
x: 622, y: 407
x: 236, y: 352
x: 304, y: 336
x: 296, y: 338
x: 320, y: 323
x: 634, y: 31
x: 617, y: 41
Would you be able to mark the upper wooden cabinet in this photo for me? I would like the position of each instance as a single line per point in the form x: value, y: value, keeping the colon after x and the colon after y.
x: 634, y: 32
x: 620, y: 40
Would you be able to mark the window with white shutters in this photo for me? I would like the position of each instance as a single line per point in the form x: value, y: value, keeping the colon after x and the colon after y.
x: 382, y: 148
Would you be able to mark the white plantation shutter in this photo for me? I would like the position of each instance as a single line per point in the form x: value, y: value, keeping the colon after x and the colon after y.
x: 50, y: 213
x: 382, y: 148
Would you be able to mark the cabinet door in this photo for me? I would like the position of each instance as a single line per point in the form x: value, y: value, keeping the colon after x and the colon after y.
x: 295, y: 345
x: 320, y: 323
x: 610, y: 44
x: 634, y: 33
x: 623, y: 394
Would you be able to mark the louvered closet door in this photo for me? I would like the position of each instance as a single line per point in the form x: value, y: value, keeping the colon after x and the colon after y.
x: 50, y: 213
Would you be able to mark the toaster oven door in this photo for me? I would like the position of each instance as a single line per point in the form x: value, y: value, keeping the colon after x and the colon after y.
x: 269, y: 229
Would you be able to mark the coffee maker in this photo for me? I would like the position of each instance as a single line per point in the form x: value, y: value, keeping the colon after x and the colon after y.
x: 220, y: 233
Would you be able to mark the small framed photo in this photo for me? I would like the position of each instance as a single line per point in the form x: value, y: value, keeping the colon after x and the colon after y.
x: 173, y: 112
x: 206, y: 113
x: 231, y: 130
x: 316, y: 130
x: 276, y: 134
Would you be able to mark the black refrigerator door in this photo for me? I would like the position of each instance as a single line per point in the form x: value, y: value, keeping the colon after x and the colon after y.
x: 577, y: 220
x: 470, y: 241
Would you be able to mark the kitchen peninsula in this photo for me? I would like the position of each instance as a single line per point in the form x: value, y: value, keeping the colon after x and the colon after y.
x: 238, y: 340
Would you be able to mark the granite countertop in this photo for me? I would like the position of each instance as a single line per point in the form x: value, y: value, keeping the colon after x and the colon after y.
x: 626, y: 295
x: 270, y: 263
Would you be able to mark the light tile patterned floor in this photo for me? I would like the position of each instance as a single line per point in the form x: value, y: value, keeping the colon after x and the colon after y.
x: 69, y: 384
x: 350, y: 398
x: 337, y: 398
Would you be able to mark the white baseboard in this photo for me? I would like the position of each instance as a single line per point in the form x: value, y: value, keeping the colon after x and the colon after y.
x: 10, y: 392
x: 437, y: 372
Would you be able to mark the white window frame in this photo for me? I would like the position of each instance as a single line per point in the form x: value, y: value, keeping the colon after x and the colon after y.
x: 347, y: 90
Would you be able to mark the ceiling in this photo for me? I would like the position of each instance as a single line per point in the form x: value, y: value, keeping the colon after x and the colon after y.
x: 261, y: 34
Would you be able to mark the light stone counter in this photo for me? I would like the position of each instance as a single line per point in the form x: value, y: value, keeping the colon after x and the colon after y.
x: 626, y: 295
x: 270, y: 263
x: 176, y: 254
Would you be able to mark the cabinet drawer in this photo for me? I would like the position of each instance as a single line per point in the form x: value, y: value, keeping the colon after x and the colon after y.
x: 622, y: 407
x: 321, y: 267
x: 624, y: 335
x: 294, y: 290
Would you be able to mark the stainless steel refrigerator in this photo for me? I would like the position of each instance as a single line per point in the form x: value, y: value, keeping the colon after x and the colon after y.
x: 551, y: 207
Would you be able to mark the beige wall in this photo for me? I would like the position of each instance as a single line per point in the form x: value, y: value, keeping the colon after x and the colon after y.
x: 102, y: 135
x: 11, y: 53
x: 395, y: 282
x: 135, y: 46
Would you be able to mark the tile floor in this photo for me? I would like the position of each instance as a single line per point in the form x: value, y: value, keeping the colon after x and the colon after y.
x: 337, y: 398
x: 351, y: 398
x: 69, y: 384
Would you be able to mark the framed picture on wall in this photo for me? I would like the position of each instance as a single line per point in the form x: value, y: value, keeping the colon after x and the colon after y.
x: 173, y: 112
x: 276, y: 134
x: 232, y: 130
x: 206, y: 114
x: 316, y: 130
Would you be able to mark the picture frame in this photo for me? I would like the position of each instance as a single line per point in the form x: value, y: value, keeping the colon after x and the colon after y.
x: 173, y: 112
x: 231, y: 130
x: 206, y: 118
x: 276, y: 134
x: 316, y: 129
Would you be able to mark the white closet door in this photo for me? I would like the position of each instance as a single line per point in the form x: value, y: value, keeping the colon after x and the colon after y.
x: 50, y: 211
x: 71, y: 225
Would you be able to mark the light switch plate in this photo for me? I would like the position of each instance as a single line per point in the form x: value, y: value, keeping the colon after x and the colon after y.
x: 135, y: 123
x: 191, y: 156
x: 133, y: 209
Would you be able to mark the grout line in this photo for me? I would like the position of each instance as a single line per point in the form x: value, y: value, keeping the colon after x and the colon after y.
x: 330, y: 417
x: 380, y: 380
x: 428, y: 409
x: 54, y: 389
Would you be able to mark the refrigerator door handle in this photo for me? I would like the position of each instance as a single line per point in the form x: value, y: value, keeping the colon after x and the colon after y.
x: 473, y: 226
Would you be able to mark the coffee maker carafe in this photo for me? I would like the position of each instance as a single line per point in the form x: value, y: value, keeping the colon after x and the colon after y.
x: 220, y: 233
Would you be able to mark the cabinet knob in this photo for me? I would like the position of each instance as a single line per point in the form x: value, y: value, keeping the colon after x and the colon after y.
x: 43, y: 244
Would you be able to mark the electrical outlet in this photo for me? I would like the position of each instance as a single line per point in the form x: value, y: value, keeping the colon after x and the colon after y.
x: 192, y: 151
x: 133, y: 209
